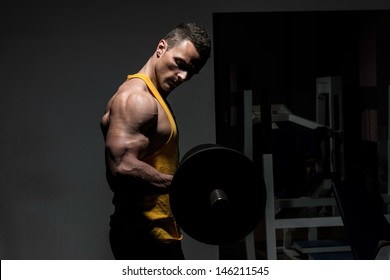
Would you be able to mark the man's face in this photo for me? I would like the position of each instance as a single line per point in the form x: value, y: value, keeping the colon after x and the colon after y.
x: 176, y: 65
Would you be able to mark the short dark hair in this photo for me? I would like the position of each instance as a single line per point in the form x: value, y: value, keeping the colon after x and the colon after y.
x: 194, y: 33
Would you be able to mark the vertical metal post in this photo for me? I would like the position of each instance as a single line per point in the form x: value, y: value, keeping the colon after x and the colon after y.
x: 270, y: 207
x: 269, y: 183
x: 248, y: 151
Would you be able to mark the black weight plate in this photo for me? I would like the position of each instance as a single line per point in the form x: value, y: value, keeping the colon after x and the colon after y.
x: 202, y: 170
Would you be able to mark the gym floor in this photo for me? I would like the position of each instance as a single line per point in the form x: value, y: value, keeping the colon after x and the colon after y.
x: 237, y: 251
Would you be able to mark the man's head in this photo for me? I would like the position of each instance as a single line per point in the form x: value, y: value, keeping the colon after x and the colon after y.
x: 179, y: 55
x: 194, y: 33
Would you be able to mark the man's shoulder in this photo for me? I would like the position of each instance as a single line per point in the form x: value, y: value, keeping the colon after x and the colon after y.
x: 134, y: 86
x: 133, y: 93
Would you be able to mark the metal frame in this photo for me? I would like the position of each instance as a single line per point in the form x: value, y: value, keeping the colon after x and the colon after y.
x: 272, y: 224
x: 281, y: 113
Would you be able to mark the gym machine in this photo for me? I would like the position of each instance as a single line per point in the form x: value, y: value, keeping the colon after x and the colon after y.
x: 328, y: 117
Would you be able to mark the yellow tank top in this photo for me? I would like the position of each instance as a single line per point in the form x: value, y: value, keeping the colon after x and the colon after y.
x: 156, y: 207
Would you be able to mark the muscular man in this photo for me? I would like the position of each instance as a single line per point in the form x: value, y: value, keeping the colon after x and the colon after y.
x: 141, y: 148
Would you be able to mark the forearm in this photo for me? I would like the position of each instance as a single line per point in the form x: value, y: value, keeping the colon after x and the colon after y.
x: 149, y: 174
x: 148, y: 177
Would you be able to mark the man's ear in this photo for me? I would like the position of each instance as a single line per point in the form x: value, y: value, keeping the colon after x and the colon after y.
x: 161, y: 47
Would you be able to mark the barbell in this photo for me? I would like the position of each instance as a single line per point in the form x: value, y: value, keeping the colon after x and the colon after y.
x: 217, y: 194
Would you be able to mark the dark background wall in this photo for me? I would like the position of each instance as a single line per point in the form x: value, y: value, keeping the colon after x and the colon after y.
x: 59, y: 64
